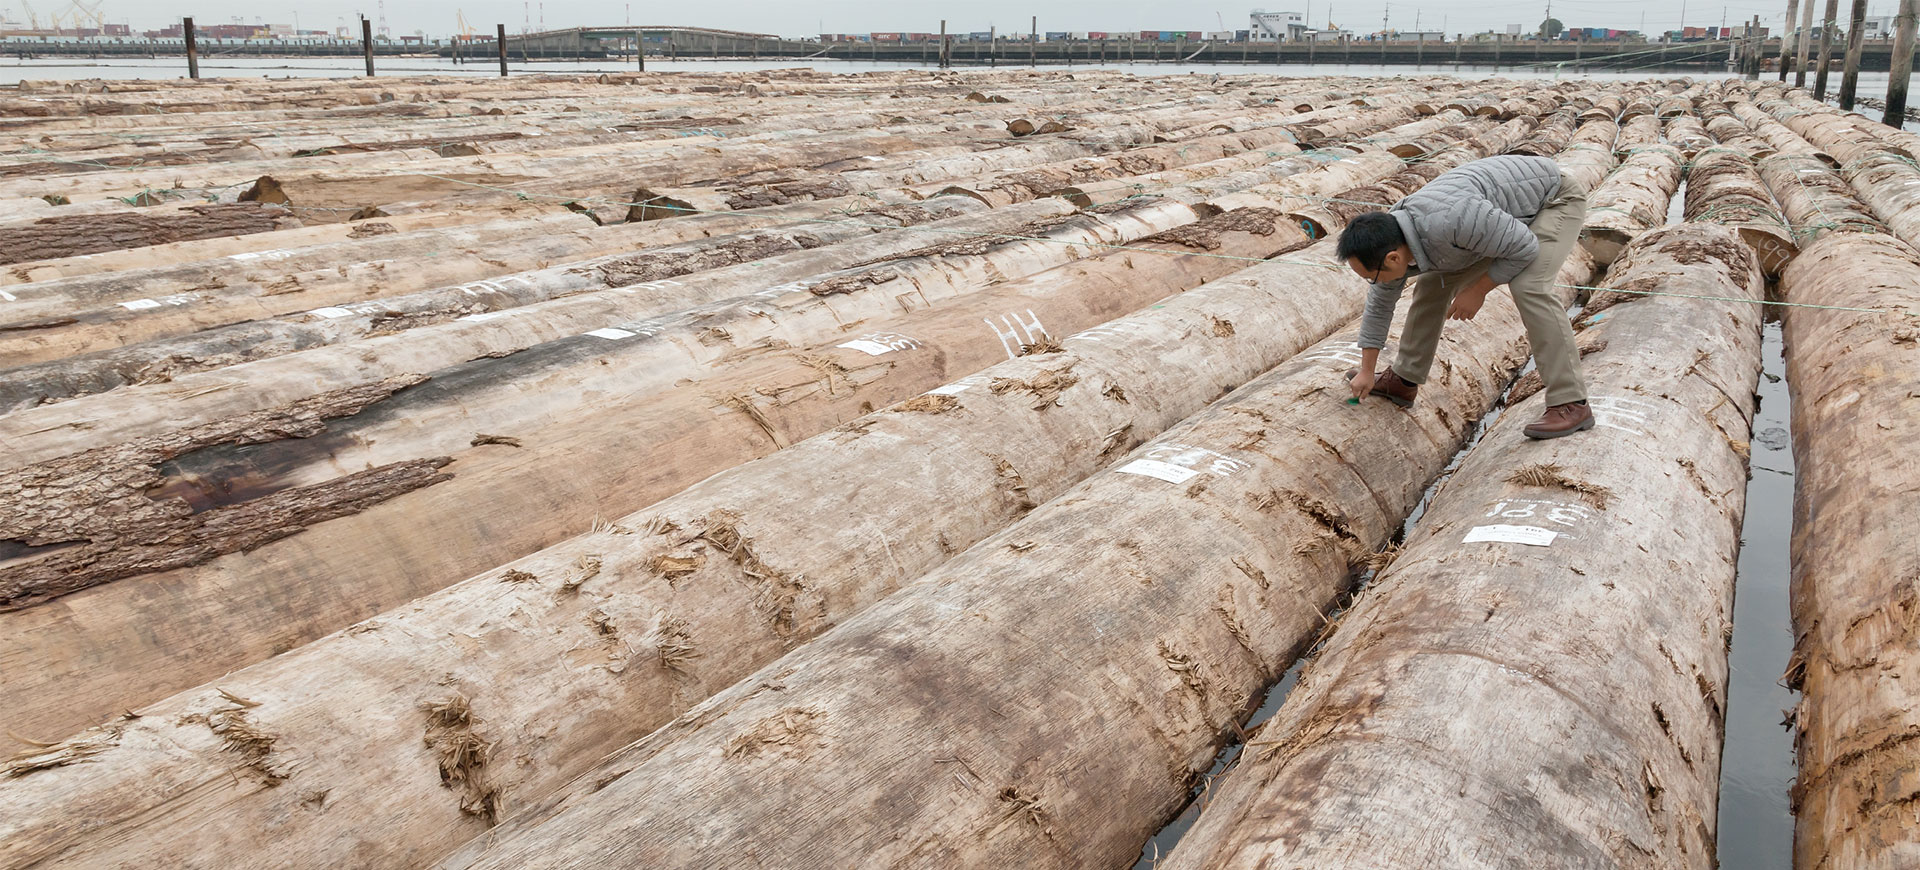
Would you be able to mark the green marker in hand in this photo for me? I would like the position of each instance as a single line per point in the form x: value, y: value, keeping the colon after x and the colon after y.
x: 1354, y: 401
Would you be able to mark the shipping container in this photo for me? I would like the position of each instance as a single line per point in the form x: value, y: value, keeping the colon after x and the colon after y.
x: 1097, y: 34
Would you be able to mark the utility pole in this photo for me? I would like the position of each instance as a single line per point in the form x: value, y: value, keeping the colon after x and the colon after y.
x: 1826, y: 49
x: 1856, y: 38
x: 1902, y: 68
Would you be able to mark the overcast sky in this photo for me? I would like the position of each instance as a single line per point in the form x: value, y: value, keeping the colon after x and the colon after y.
x: 861, y: 16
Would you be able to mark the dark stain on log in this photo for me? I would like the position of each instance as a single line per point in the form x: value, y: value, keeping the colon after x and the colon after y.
x: 1205, y: 233
x: 672, y: 263
x: 120, y: 511
x: 76, y: 235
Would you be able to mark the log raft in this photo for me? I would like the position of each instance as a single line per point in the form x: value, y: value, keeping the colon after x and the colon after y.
x: 499, y: 329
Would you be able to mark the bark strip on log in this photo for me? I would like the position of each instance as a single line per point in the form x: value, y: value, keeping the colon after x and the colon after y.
x: 1856, y: 572
x: 60, y: 236
x: 1161, y: 635
x: 1557, y: 705
x: 672, y: 583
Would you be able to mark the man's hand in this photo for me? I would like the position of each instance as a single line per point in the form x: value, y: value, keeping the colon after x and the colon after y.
x: 1467, y: 302
x: 1362, y: 382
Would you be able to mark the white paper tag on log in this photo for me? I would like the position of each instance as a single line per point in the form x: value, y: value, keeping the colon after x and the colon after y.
x: 486, y: 315
x: 612, y: 334
x: 1166, y: 471
x: 1532, y: 536
x: 331, y: 312
x: 139, y: 304
x: 949, y: 390
x: 870, y: 348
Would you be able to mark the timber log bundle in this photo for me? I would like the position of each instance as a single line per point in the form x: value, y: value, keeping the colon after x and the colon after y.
x: 920, y: 469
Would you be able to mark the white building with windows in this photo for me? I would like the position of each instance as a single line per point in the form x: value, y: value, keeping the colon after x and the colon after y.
x: 1278, y: 26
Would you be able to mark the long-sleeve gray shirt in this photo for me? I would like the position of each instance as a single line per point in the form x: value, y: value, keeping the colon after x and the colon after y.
x: 1480, y: 211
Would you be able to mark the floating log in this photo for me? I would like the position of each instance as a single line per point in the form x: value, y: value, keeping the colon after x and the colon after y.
x: 666, y: 586
x: 1200, y: 607
x: 1631, y: 201
x: 1853, y: 594
x: 1723, y: 187
x: 1456, y: 710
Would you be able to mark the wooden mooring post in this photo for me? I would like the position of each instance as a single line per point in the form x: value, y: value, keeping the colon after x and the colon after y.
x: 366, y: 43
x: 193, y: 51
x: 1826, y: 50
x: 1033, y: 42
x: 1901, y: 69
x: 639, y: 52
x: 1850, y: 76
x: 1790, y: 38
x: 500, y: 45
x: 1803, y: 46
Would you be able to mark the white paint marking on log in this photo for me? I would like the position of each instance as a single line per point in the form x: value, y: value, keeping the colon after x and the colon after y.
x: 871, y: 348
x: 1532, y: 536
x: 140, y: 304
x: 611, y: 334
x: 331, y: 312
x: 1617, y: 412
x: 1154, y: 468
x: 1011, y: 329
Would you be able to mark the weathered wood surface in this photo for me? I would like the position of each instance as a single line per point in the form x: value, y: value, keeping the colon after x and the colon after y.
x: 1496, y: 704
x: 1162, y: 637
x: 203, y: 518
x: 45, y: 432
x: 675, y: 584
x: 155, y: 339
x: 1632, y: 200
x: 500, y: 504
x: 1856, y: 572
x: 1723, y: 187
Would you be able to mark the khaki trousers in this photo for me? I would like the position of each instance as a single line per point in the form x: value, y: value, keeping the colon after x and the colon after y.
x: 1557, y: 226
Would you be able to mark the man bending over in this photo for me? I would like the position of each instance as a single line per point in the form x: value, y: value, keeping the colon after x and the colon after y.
x: 1502, y: 220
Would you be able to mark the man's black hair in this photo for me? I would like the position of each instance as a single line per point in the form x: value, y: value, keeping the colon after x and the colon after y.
x: 1370, y: 237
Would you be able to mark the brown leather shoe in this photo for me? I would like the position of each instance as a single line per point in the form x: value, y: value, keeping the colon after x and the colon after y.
x: 1560, y: 421
x: 1389, y: 386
